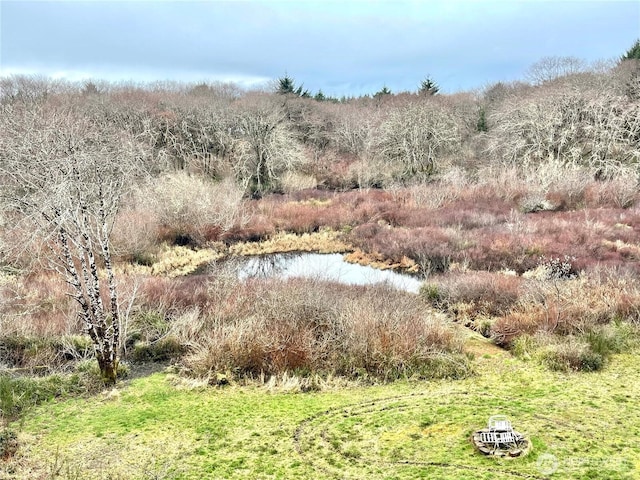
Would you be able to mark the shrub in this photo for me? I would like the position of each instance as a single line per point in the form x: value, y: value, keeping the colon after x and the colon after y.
x: 189, y: 209
x: 611, y: 338
x: 561, y: 185
x: 431, y: 196
x: 449, y: 365
x: 313, y: 327
x: 151, y: 336
x: 524, y: 346
x: 294, y: 182
x: 150, y: 324
x: 161, y: 350
x: 570, y: 306
x: 507, y: 328
x: 570, y: 355
x: 19, y: 393
x: 88, y: 377
x: 484, y: 293
x: 37, y: 354
x: 416, y: 137
x: 431, y: 292
x: 36, y: 304
x: 559, y: 353
x: 620, y: 191
x: 586, y: 347
x: 431, y: 247
x: 43, y: 355
x: 135, y: 232
x: 557, y: 268
x: 374, y: 172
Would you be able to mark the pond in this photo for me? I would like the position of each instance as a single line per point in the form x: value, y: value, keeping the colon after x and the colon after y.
x: 331, y: 267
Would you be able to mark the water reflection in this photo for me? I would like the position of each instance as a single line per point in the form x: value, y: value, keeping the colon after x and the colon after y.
x: 330, y: 267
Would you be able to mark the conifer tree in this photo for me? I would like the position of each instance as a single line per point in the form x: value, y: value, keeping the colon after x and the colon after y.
x: 633, y: 53
x: 428, y: 87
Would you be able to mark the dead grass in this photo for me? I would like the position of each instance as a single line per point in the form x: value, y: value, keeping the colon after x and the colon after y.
x: 379, y: 261
x: 569, y: 307
x: 176, y: 261
x: 36, y: 304
x: 310, y: 327
x: 324, y: 241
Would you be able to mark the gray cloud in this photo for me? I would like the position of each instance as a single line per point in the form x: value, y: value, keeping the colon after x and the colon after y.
x: 354, y: 46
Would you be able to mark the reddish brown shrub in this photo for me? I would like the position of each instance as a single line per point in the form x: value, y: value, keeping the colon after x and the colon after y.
x: 570, y: 307
x: 483, y: 293
x: 312, y: 326
x: 37, y: 304
x: 619, y: 192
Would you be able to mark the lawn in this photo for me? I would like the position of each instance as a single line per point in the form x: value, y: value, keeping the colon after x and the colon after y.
x: 157, y: 426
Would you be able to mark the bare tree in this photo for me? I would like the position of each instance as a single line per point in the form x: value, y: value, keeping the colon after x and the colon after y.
x: 550, y: 68
x: 264, y: 146
x: 417, y: 136
x: 627, y: 76
x: 30, y: 88
x: 195, y: 136
x: 62, y: 177
x: 596, y: 129
x: 355, y: 128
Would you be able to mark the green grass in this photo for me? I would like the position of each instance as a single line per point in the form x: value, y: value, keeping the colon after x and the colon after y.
x: 153, y: 428
x: 21, y: 393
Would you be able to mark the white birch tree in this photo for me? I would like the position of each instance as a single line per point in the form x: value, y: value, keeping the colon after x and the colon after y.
x: 61, y: 177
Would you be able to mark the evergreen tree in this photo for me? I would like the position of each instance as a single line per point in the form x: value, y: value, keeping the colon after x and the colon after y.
x: 481, y: 125
x: 633, y: 53
x: 632, y: 58
x: 382, y: 92
x: 286, y: 85
x: 90, y: 88
x: 428, y: 87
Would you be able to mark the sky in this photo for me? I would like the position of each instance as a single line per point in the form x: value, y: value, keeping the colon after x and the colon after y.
x: 340, y: 47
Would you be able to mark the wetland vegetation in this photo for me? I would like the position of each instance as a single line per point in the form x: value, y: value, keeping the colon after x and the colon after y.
x: 130, y: 348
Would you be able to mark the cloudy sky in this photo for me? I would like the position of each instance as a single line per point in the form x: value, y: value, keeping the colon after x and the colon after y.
x: 340, y: 47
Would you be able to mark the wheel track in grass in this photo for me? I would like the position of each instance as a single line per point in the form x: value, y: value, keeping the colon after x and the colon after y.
x: 312, y: 439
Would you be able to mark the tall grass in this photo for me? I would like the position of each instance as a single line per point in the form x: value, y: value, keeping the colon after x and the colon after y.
x: 303, y: 326
x: 36, y: 304
x: 568, y: 307
x: 19, y: 393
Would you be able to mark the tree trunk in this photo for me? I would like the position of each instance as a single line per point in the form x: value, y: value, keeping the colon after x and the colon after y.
x: 108, y: 367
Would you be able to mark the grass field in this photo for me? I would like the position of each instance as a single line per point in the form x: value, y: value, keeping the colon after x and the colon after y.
x: 156, y: 426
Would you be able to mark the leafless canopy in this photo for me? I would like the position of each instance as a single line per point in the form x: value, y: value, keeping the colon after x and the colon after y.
x: 418, y: 136
x: 62, y: 176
